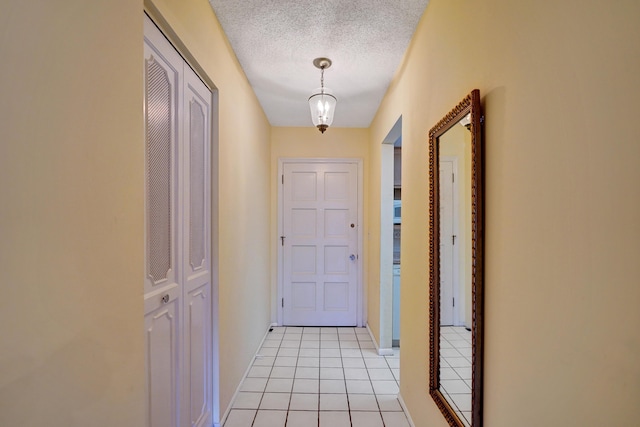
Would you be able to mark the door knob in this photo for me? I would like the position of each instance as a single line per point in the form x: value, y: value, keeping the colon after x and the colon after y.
x: 352, y: 257
x: 165, y: 299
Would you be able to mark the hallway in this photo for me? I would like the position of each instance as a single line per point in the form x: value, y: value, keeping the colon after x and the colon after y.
x: 327, y: 377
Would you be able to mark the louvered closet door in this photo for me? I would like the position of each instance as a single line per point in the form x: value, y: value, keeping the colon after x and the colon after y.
x: 178, y: 321
x: 197, y: 253
x: 163, y: 284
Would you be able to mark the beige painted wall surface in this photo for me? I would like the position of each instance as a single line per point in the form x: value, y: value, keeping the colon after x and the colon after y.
x: 71, y: 216
x: 308, y: 142
x: 559, y: 87
x: 244, y: 198
x: 71, y: 252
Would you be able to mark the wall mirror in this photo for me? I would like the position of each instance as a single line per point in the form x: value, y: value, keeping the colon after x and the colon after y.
x: 456, y: 263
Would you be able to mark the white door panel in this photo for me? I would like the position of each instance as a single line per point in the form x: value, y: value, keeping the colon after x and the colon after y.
x: 161, y: 296
x: 161, y: 104
x: 320, y: 213
x: 198, y: 356
x: 162, y: 338
x: 196, y: 165
x: 196, y: 253
x: 162, y: 287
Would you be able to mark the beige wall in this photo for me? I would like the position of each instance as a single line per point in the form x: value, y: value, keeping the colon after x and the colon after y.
x: 71, y: 214
x: 308, y: 142
x: 71, y: 217
x: 559, y: 87
x: 244, y: 197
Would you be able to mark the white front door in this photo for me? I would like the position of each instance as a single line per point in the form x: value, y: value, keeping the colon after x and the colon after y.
x: 320, y: 244
x: 177, y: 286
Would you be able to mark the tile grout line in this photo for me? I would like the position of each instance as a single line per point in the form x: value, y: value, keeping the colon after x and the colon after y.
x: 293, y: 381
x: 320, y: 379
x: 319, y: 367
x: 375, y: 396
x: 344, y: 378
x: 268, y: 379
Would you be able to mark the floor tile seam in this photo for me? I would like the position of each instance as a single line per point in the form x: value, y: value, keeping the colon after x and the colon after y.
x: 375, y: 396
x: 458, y: 374
x: 255, y: 416
x: 286, y: 417
x: 265, y: 388
x: 456, y: 405
x: 319, y: 365
x: 346, y: 390
x: 391, y: 369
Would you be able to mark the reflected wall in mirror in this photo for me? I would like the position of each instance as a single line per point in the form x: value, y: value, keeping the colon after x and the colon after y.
x: 456, y: 263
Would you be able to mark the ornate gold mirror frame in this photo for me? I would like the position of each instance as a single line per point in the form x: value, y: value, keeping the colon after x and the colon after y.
x: 469, y: 412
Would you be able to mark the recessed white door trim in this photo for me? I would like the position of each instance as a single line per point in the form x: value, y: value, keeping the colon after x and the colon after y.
x: 361, y: 292
x: 385, y: 282
x: 386, y: 246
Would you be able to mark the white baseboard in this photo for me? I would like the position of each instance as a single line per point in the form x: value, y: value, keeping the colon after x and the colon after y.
x: 246, y: 372
x: 385, y: 352
x: 406, y: 411
x: 381, y: 351
x: 389, y: 352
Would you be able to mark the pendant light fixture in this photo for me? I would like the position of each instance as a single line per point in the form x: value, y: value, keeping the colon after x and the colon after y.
x: 322, y: 103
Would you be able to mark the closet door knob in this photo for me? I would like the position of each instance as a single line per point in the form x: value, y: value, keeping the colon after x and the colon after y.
x: 165, y: 299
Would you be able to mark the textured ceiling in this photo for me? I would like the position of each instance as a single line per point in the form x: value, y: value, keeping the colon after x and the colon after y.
x: 277, y: 40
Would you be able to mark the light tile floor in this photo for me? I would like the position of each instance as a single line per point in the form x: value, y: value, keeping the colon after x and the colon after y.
x: 455, y: 369
x: 324, y: 377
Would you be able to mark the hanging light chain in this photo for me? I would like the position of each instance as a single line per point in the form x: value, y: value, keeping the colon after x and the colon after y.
x: 322, y: 79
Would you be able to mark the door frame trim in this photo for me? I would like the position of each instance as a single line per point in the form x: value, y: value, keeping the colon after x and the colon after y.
x: 384, y: 286
x: 360, y: 288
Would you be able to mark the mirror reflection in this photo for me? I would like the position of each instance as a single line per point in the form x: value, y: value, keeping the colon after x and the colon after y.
x: 454, y: 160
x: 455, y: 264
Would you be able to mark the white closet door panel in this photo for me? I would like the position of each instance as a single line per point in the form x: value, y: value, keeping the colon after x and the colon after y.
x: 162, y: 344
x: 198, y: 356
x: 196, y: 253
x: 162, y: 284
x: 163, y: 80
x: 197, y: 189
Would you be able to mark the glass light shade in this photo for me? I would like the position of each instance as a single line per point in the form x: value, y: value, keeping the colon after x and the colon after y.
x: 322, y: 106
